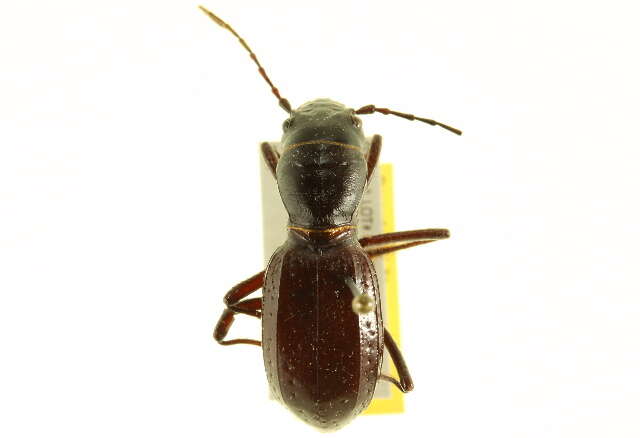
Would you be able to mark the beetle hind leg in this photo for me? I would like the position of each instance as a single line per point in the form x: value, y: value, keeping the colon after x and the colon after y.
x: 405, y: 384
x: 398, y: 384
x: 248, y: 307
x: 235, y: 305
x: 270, y: 156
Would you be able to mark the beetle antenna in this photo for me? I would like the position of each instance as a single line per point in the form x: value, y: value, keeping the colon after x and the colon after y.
x: 370, y: 109
x: 284, y: 103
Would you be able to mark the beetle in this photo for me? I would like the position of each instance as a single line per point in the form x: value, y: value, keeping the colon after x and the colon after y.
x: 322, y: 330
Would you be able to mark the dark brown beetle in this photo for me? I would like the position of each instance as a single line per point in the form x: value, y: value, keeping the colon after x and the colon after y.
x: 322, y: 330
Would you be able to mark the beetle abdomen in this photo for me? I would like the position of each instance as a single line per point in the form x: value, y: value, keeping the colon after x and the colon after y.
x: 322, y: 359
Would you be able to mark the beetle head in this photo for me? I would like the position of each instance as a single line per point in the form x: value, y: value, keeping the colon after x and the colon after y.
x: 323, y: 119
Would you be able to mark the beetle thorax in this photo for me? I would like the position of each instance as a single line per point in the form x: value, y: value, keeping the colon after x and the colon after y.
x: 322, y: 171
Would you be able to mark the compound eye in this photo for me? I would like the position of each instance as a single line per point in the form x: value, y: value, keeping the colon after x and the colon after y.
x: 287, y: 124
x: 356, y: 121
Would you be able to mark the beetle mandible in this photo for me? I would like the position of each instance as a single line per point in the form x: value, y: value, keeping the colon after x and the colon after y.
x: 322, y: 329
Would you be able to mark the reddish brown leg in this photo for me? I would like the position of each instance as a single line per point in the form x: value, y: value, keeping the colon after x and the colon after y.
x: 385, y: 243
x: 251, y: 307
x: 235, y: 304
x: 270, y: 156
x: 406, y: 383
x: 373, y: 155
x: 376, y: 252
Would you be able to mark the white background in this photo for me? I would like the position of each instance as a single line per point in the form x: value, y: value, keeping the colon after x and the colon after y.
x: 129, y: 204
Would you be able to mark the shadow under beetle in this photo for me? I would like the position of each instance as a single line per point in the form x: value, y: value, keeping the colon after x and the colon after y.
x: 322, y: 329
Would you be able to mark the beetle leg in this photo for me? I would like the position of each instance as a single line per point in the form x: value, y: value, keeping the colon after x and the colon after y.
x: 235, y: 304
x: 389, y: 242
x: 248, y: 307
x: 251, y: 307
x: 405, y: 236
x: 406, y: 383
x: 372, y: 156
x: 382, y: 250
x: 392, y: 380
x: 223, y: 326
x: 270, y: 156
x: 244, y: 289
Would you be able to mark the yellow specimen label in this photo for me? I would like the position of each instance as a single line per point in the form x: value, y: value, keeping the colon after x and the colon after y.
x: 393, y: 402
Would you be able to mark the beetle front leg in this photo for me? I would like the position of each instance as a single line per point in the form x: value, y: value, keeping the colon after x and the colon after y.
x: 235, y: 304
x: 270, y: 156
x: 373, y: 155
x: 406, y: 382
